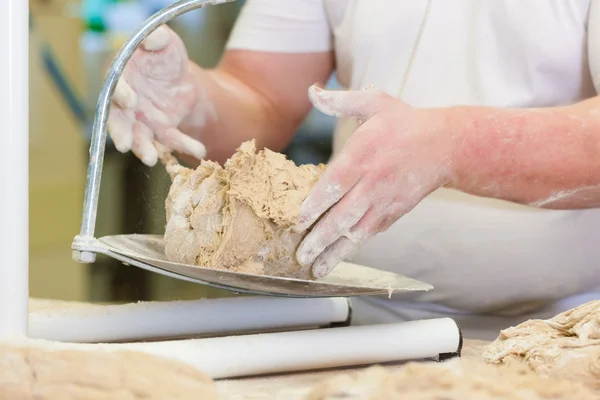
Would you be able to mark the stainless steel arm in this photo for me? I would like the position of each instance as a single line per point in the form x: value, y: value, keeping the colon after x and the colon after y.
x: 99, y: 130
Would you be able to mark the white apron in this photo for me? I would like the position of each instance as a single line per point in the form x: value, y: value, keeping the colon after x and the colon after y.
x: 493, y: 263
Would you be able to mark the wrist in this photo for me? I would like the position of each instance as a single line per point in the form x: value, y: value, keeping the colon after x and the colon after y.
x: 449, y: 129
x: 458, y: 125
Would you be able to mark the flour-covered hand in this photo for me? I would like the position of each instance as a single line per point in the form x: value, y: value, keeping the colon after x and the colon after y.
x: 396, y: 157
x: 155, y: 93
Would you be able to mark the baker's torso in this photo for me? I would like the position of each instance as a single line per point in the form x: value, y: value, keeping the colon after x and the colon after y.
x: 437, y: 53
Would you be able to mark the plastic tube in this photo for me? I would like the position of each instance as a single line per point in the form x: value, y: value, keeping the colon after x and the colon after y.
x: 185, y: 318
x: 239, y: 356
x: 251, y: 355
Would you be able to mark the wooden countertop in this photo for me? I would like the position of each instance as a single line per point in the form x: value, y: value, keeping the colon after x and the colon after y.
x: 274, y: 387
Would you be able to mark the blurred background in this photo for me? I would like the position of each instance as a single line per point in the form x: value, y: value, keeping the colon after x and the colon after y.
x: 71, y: 41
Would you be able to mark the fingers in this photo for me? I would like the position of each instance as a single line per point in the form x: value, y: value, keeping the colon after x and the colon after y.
x: 120, y: 128
x: 124, y: 96
x: 153, y: 116
x: 335, y: 224
x: 330, y: 258
x: 143, y: 146
x: 157, y: 40
x: 376, y: 219
x: 361, y: 104
x: 120, y: 123
x: 142, y: 116
x: 176, y: 140
x: 331, y: 187
x: 129, y: 134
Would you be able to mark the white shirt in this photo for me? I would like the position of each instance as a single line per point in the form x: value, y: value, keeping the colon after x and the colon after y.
x: 480, y: 254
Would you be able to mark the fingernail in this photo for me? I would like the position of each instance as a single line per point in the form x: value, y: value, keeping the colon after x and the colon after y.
x: 321, y: 269
x: 158, y: 40
x: 315, y: 94
x: 302, y: 257
x: 305, y: 255
x: 120, y: 134
x: 199, y: 151
x: 299, y: 227
x: 150, y: 159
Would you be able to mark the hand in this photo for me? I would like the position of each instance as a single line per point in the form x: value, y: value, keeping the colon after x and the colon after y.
x: 155, y: 93
x: 396, y: 157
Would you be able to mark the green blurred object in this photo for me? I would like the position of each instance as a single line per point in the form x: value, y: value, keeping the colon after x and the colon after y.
x: 93, y: 14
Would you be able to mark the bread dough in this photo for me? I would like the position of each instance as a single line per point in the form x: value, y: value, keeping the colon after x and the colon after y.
x: 566, y: 346
x: 238, y: 217
x: 451, y: 380
x: 31, y: 372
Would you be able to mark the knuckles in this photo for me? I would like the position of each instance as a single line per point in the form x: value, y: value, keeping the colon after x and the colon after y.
x: 388, y: 214
x: 359, y: 236
x: 166, y: 65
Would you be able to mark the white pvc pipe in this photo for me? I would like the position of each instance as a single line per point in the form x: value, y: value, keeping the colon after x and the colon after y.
x: 240, y: 356
x: 14, y: 167
x: 250, y: 355
x: 155, y: 320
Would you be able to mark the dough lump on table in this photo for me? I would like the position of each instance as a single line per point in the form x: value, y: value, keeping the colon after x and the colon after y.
x: 451, y: 380
x: 29, y: 372
x: 238, y: 217
x: 566, y: 346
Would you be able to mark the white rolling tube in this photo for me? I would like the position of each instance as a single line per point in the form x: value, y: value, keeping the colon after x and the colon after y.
x: 239, y: 356
x: 154, y: 320
x: 251, y: 355
x: 14, y: 167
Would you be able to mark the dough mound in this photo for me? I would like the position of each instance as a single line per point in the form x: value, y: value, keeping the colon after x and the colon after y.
x: 238, y: 217
x: 566, y: 346
x: 451, y: 380
x: 35, y: 373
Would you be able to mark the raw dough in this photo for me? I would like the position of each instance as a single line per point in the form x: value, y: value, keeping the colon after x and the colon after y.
x: 30, y: 372
x: 451, y: 380
x: 238, y: 217
x: 566, y: 346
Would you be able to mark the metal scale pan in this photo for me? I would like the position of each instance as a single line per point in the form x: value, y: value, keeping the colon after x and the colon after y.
x: 147, y: 251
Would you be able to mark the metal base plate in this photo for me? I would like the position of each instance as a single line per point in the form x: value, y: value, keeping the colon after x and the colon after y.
x: 346, y: 280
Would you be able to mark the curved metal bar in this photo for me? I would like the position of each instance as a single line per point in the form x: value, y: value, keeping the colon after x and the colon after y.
x: 99, y: 130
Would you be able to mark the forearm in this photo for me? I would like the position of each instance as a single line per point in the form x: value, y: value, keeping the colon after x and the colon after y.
x: 542, y: 157
x: 229, y: 112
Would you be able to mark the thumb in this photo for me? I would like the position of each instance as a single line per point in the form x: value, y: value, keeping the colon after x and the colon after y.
x: 361, y: 104
x: 157, y: 40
